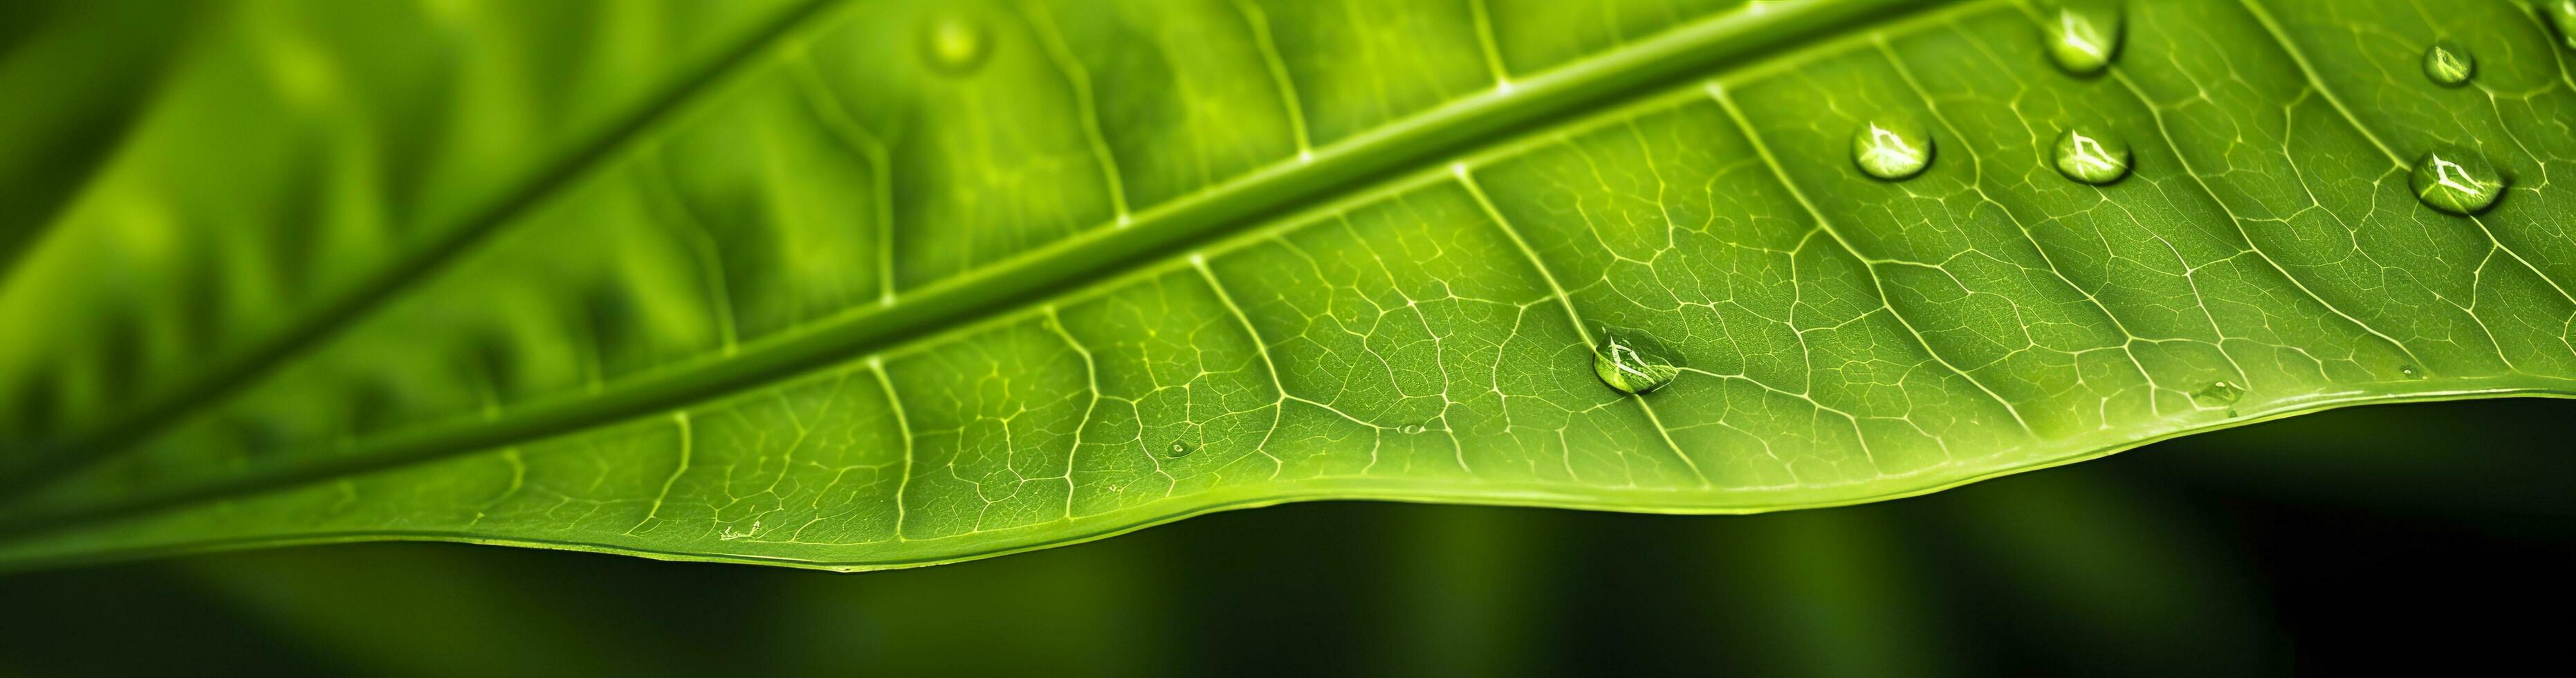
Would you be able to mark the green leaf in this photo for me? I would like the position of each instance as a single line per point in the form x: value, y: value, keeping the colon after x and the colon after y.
x: 869, y: 285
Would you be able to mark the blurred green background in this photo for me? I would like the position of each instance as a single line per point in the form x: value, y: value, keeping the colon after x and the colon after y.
x: 2331, y: 543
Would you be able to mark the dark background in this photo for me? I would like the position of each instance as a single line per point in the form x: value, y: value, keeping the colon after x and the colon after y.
x: 2362, y: 540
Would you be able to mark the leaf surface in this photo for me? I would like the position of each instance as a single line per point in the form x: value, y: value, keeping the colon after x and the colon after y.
x: 867, y: 285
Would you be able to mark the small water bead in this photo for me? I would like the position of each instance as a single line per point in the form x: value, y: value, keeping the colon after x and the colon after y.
x: 1892, y: 149
x: 2562, y: 14
x: 1412, y: 429
x: 2085, y: 35
x: 1632, y: 365
x: 2090, y: 156
x: 1179, y: 450
x: 954, y: 44
x: 2411, y: 372
x: 2448, y: 64
x: 2455, y: 180
x: 2218, y: 394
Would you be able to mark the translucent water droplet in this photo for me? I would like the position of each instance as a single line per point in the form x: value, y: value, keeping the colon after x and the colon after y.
x: 2562, y: 14
x: 954, y: 44
x: 2089, y: 155
x: 1892, y: 149
x: 2411, y: 372
x: 1178, y: 450
x: 2218, y: 394
x: 2456, y: 180
x: 1632, y: 364
x: 2085, y: 35
x: 1412, y: 429
x: 2448, y: 64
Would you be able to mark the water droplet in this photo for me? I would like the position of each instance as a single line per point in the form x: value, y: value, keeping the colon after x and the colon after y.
x: 2218, y: 394
x: 2448, y: 64
x: 1179, y: 449
x: 2411, y: 372
x: 954, y: 44
x: 1632, y: 365
x: 1892, y: 149
x: 2087, y: 155
x: 2455, y: 180
x: 1412, y: 429
x: 2084, y: 35
x: 2562, y: 14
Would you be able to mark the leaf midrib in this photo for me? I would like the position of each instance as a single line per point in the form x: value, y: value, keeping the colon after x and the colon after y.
x: 81, y: 449
x: 1157, y: 233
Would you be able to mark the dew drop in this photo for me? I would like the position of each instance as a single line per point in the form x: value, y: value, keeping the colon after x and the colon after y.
x: 2562, y: 14
x: 2455, y: 180
x: 2084, y: 35
x: 1632, y: 365
x: 954, y: 44
x: 1892, y: 149
x: 1178, y: 450
x: 2410, y: 371
x: 1412, y: 429
x: 2448, y: 64
x: 2088, y: 155
x: 2218, y: 394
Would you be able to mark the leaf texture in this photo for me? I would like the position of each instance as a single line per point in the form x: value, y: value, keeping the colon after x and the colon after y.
x: 787, y: 283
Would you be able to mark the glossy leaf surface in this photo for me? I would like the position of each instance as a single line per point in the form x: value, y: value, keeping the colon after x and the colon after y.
x: 865, y: 285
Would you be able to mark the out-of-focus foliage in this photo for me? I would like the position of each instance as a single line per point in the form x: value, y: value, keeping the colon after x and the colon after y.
x: 2332, y: 544
x: 874, y: 284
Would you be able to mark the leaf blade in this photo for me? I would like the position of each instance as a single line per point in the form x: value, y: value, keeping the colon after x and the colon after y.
x: 1276, y: 306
